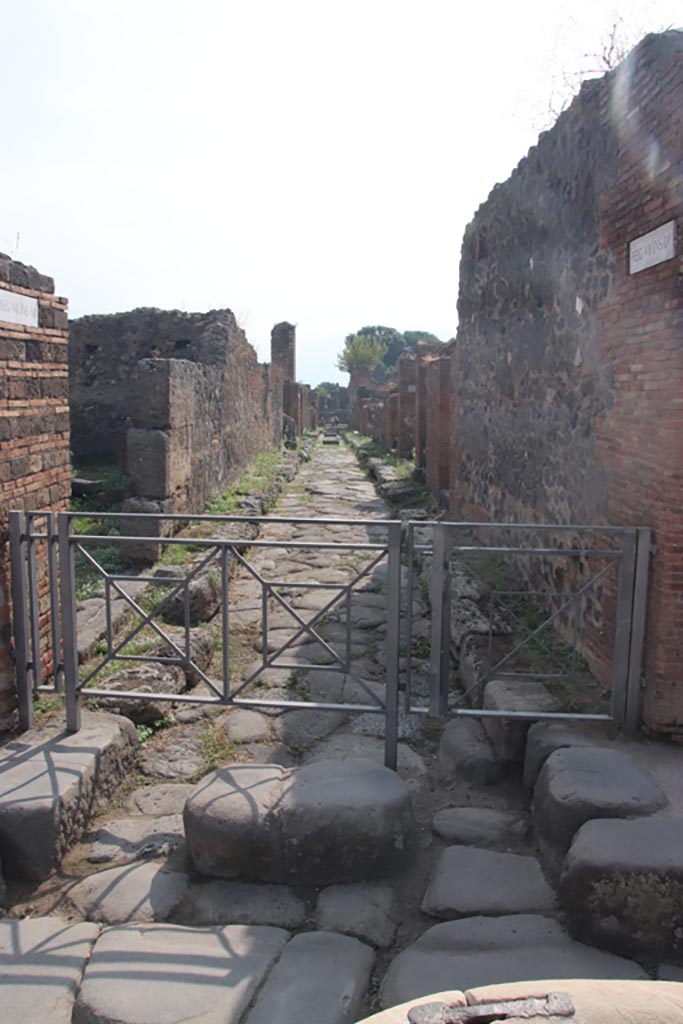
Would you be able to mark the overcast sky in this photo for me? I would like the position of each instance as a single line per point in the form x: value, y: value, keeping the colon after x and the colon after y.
x: 305, y: 160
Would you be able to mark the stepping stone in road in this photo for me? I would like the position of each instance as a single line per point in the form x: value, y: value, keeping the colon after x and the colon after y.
x: 622, y: 886
x: 321, y: 978
x: 142, y: 892
x: 487, y: 951
x: 365, y: 910
x: 464, y: 750
x: 329, y: 821
x: 41, y: 963
x: 577, y: 784
x: 468, y: 881
x: 210, y: 903
x: 479, y: 826
x: 161, y: 974
x: 160, y: 800
x: 543, y: 739
x: 128, y: 839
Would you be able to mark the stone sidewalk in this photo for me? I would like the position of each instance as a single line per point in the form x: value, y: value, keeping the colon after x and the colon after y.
x: 151, y: 918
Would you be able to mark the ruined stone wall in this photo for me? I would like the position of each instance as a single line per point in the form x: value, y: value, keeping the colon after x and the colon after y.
x: 35, y: 467
x: 406, y: 406
x: 283, y: 350
x: 569, y: 368
x: 179, y: 398
x: 437, y: 425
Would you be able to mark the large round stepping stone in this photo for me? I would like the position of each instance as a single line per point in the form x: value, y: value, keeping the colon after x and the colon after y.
x: 487, y: 950
x: 144, y: 892
x: 468, y: 881
x: 321, y: 978
x: 167, y: 974
x: 330, y: 821
x: 577, y: 784
x: 622, y: 886
x: 41, y: 963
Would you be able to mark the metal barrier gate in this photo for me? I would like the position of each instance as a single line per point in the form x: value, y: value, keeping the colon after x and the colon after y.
x: 611, y: 561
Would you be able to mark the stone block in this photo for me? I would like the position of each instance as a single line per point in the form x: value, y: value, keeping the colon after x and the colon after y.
x: 467, y: 881
x: 142, y: 892
x: 321, y: 977
x: 157, y: 974
x: 577, y: 784
x: 329, y: 821
x: 508, y: 735
x: 479, y: 826
x: 142, y: 679
x: 364, y: 910
x: 211, y: 903
x: 159, y: 461
x: 42, y: 960
x: 622, y: 886
x: 545, y: 737
x: 51, y: 782
x: 464, y: 750
x: 491, y: 950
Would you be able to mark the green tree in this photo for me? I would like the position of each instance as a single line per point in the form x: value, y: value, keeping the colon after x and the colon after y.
x: 360, y: 350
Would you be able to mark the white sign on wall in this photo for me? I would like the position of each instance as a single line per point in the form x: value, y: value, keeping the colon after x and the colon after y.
x: 655, y: 247
x: 18, y: 309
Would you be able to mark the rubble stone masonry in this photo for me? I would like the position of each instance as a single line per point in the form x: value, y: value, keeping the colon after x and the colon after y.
x: 35, y: 467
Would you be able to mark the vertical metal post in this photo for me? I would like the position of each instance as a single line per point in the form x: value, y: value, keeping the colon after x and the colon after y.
x: 393, y: 644
x: 347, y: 653
x: 622, y: 633
x: 57, y: 660
x: 643, y: 541
x: 67, y: 581
x: 410, y: 555
x: 440, y: 597
x: 225, y: 619
x: 20, y: 619
x: 264, y: 623
x: 34, y: 602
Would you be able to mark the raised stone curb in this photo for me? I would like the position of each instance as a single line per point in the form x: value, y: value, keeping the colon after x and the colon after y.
x: 622, y: 886
x: 467, y: 881
x: 363, y: 910
x: 41, y: 964
x: 542, y: 740
x: 321, y: 978
x: 211, y: 903
x: 486, y: 951
x: 329, y: 821
x: 51, y: 782
x: 577, y: 784
x: 141, y: 892
x: 479, y: 826
x: 158, y: 974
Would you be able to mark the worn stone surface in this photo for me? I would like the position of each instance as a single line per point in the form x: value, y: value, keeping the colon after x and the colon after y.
x: 128, y: 839
x: 143, y: 679
x: 365, y: 910
x: 321, y: 978
x: 622, y: 886
x: 467, y: 881
x: 219, y: 902
x: 175, y: 757
x: 204, y: 600
x: 545, y: 737
x: 328, y: 821
x: 41, y: 963
x: 162, y: 799
x: 580, y: 783
x: 139, y: 892
x: 486, y: 951
x: 302, y: 729
x: 166, y: 974
x: 244, y: 726
x: 508, y: 735
x: 344, y: 745
x: 201, y: 651
x: 50, y: 784
x: 464, y: 750
x: 479, y: 826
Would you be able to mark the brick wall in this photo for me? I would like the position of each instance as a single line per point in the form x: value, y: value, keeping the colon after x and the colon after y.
x: 437, y: 433
x: 568, y: 373
x: 35, y: 468
x: 405, y: 429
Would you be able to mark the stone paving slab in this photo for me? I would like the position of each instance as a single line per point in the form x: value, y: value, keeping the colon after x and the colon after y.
x: 47, y: 788
x: 486, y: 950
x: 161, y: 799
x: 479, y: 826
x: 321, y: 978
x: 543, y: 739
x: 41, y: 964
x: 168, y: 974
x: 219, y: 902
x: 508, y: 735
x: 138, y: 892
x: 465, y: 750
x: 467, y: 881
x: 622, y: 886
x: 577, y: 784
x: 129, y: 839
x: 364, y: 910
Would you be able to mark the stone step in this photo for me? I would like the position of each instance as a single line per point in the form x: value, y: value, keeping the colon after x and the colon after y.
x: 52, y: 783
x: 480, y: 826
x: 328, y: 821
